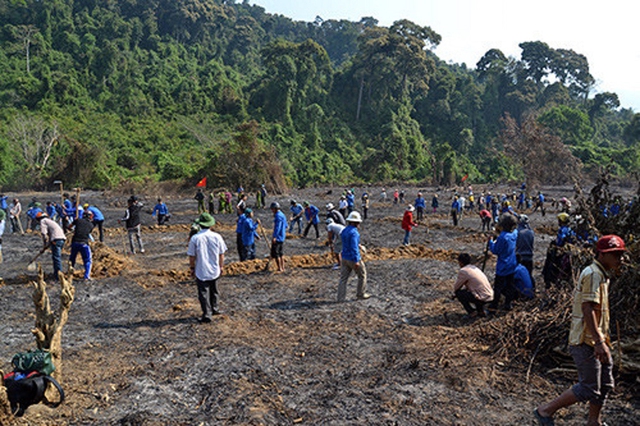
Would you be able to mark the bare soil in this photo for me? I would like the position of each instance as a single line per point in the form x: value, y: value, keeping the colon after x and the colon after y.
x: 284, y: 352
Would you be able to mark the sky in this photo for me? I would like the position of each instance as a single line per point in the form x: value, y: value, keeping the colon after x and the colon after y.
x: 605, y: 32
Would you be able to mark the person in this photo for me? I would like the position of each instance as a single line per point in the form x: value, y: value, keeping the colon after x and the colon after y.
x: 565, y: 233
x: 133, y: 224
x: 522, y: 280
x: 206, y: 261
x: 351, y: 259
x: 472, y: 287
x: 50, y: 209
x: 3, y: 219
x: 485, y: 217
x: 420, y: 204
x: 342, y: 206
x: 505, y: 248
x: 333, y: 213
x: 263, y: 196
x: 162, y: 211
x: 249, y: 234
x: 539, y: 204
x: 52, y: 237
x: 351, y: 201
x: 557, y: 264
x: 296, y: 216
x: 82, y: 228
x: 199, y: 197
x: 97, y: 219
x: 455, y: 210
x: 14, y: 214
x: 227, y: 199
x: 222, y: 203
x: 401, y: 196
x: 365, y: 206
x: 3, y: 203
x: 32, y: 212
x: 408, y: 224
x: 211, y: 201
x: 435, y: 203
x: 279, y: 235
x: 589, y: 336
x: 240, y: 220
x: 383, y: 196
x: 524, y: 244
x: 334, y: 230
x: 311, y: 214
x: 396, y: 196
x: 242, y: 204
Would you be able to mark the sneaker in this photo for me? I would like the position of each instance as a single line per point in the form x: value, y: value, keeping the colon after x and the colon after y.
x: 336, y: 266
x: 364, y: 296
x: 204, y: 320
x: 141, y: 250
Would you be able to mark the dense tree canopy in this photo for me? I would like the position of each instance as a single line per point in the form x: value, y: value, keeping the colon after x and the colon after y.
x: 97, y: 92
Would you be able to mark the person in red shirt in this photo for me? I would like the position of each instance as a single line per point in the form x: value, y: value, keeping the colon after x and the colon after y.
x: 408, y: 224
x: 485, y: 216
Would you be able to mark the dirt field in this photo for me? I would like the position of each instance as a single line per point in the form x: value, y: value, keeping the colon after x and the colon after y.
x: 284, y: 352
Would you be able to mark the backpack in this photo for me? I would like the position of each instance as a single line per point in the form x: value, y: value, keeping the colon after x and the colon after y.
x: 27, y: 383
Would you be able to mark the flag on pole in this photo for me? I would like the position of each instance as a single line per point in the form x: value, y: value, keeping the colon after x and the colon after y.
x: 464, y: 178
x: 202, y: 183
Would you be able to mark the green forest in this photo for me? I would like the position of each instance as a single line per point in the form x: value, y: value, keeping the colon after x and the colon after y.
x: 101, y: 92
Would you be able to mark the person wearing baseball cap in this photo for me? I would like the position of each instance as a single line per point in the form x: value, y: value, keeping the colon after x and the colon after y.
x: 589, y: 335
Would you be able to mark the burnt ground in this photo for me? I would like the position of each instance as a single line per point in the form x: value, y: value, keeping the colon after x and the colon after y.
x: 283, y: 352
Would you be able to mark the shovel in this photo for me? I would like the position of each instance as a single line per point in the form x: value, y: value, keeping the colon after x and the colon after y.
x: 32, y: 265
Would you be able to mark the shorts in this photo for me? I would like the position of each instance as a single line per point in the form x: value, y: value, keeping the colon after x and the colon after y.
x: 337, y: 245
x: 276, y: 249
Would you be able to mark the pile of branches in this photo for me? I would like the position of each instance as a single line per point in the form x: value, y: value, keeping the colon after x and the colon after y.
x: 538, y: 330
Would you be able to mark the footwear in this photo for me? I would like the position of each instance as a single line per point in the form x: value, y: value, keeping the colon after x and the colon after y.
x: 364, y: 296
x: 336, y: 266
x: 543, y: 421
x: 204, y: 320
x: 141, y: 250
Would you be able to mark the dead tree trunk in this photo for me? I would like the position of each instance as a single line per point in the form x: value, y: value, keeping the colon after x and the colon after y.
x: 48, y: 329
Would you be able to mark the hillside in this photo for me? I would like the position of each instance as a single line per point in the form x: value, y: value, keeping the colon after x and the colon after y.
x: 101, y: 93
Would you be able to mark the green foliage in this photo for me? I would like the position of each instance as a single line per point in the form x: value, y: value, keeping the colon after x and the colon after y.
x: 171, y: 89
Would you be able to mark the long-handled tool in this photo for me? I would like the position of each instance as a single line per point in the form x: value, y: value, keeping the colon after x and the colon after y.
x: 32, y: 264
x: 264, y: 235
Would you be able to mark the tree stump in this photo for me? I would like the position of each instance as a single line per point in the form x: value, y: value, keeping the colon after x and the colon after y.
x: 48, y: 329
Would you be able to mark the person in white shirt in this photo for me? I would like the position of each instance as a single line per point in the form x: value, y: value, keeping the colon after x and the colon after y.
x: 206, y: 260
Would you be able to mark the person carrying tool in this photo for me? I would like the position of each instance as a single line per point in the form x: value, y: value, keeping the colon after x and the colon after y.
x: 351, y: 259
x: 334, y: 230
x: 249, y: 234
x: 52, y: 237
x: 98, y: 219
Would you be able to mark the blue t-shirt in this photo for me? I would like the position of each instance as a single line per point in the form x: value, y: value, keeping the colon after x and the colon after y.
x: 160, y: 208
x: 240, y: 223
x: 311, y: 213
x: 350, y: 243
x: 249, y: 231
x: 522, y: 281
x: 505, y: 248
x: 296, y: 209
x: 420, y: 202
x: 97, y: 214
x: 279, y: 226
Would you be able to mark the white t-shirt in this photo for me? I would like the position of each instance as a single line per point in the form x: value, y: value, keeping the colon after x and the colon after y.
x: 207, y: 246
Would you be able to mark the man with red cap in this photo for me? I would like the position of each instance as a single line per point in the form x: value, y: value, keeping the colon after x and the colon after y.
x: 589, y: 335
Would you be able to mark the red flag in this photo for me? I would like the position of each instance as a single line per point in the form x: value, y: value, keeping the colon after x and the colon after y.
x: 464, y: 178
x: 202, y: 183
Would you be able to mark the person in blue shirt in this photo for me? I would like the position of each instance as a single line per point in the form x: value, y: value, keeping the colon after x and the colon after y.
x: 296, y: 216
x: 434, y: 203
x: 351, y: 201
x: 311, y: 214
x: 505, y: 248
x: 565, y: 233
x: 98, y: 219
x: 351, y: 259
x: 279, y: 235
x: 162, y: 212
x: 51, y: 211
x: 3, y: 203
x: 239, y: 244
x: 539, y: 204
x: 249, y: 234
x: 522, y: 280
x: 455, y: 210
x: 524, y: 244
x: 420, y: 204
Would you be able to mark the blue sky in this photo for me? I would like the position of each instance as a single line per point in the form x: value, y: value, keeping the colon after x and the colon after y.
x: 605, y: 32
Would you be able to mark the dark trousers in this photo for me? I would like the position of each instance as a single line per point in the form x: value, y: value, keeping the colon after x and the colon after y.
x: 306, y: 230
x: 420, y: 213
x: 467, y: 299
x: 56, y: 256
x: 100, y: 224
x: 208, y: 297
x: 241, y: 251
x: 454, y: 216
x: 503, y: 284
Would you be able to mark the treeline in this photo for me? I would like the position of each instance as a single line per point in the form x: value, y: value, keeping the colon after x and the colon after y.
x: 97, y: 92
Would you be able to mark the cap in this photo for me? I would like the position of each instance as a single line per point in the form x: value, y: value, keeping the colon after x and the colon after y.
x: 248, y: 211
x: 40, y: 215
x: 293, y: 202
x: 330, y: 206
x: 610, y: 243
x: 205, y: 220
x: 85, y: 206
x: 329, y: 221
x: 354, y: 217
x: 410, y: 208
x: 275, y: 205
x: 563, y: 217
x: 306, y: 203
x: 524, y: 218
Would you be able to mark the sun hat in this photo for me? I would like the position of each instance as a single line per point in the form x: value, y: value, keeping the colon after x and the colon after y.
x: 329, y: 221
x: 354, y: 217
x: 330, y: 206
x: 205, y: 220
x: 610, y: 243
x: 410, y: 208
x: 563, y: 217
